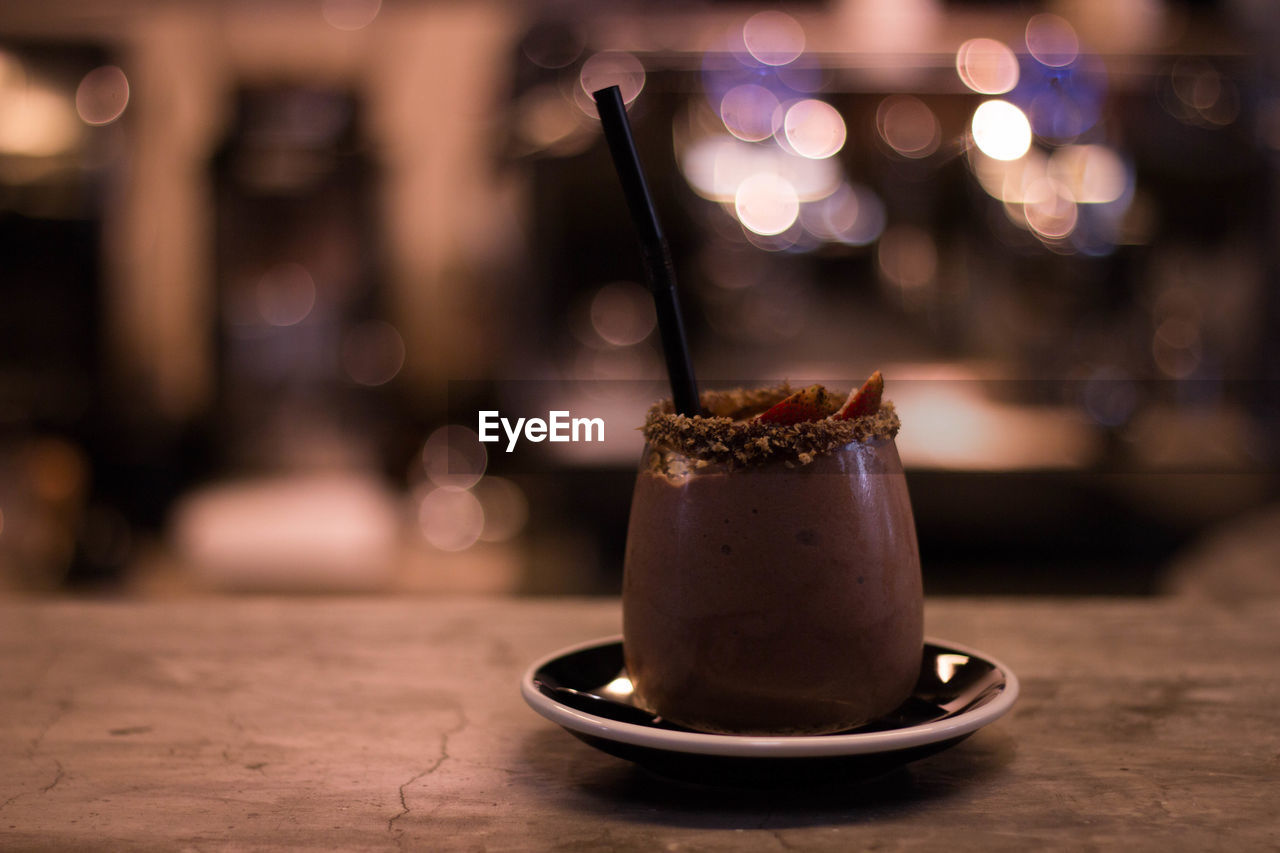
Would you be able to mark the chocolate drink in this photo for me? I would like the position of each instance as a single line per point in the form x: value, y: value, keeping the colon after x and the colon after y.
x: 773, y: 596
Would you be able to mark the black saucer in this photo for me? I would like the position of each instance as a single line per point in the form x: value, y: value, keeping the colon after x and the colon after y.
x: 585, y: 690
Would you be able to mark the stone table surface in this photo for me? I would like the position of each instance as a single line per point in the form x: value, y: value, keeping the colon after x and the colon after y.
x: 388, y: 724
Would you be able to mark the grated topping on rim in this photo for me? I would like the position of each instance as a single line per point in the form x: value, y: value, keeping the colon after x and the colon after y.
x: 729, y: 434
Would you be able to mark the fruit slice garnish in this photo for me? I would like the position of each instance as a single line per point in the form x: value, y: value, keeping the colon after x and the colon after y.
x: 863, y: 401
x: 812, y: 404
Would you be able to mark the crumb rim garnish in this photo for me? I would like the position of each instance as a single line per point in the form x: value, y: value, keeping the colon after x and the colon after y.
x: 730, y: 435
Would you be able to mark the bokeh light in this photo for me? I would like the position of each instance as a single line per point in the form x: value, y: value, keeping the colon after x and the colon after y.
x: 1001, y: 130
x: 750, y: 112
x: 453, y: 457
x: 285, y: 294
x: 987, y: 66
x: 373, y: 353
x: 35, y: 120
x: 505, y: 507
x: 1094, y: 174
x: 814, y: 129
x: 102, y: 95
x: 553, y: 44
x: 350, y: 15
x: 612, y: 68
x: 773, y: 37
x: 622, y: 313
x: 547, y: 120
x: 716, y: 166
x: 452, y: 519
x: 1049, y: 209
x: 853, y: 215
x: 1176, y: 347
x: 908, y: 257
x: 766, y: 203
x: 1052, y: 40
x: 1203, y: 96
x: 908, y: 126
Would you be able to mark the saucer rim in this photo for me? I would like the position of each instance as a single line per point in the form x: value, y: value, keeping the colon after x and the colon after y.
x: 770, y: 746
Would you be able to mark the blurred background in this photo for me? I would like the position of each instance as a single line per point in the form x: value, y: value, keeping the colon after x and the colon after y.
x: 262, y: 262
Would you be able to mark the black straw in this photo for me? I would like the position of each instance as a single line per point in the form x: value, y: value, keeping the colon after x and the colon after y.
x: 653, y: 248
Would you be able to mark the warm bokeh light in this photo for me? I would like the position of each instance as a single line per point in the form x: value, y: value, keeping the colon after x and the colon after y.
x: 908, y: 257
x: 773, y: 37
x: 545, y: 118
x: 987, y: 66
x: 452, y: 519
x: 35, y: 120
x: 766, y: 203
x: 1008, y: 180
x: 1204, y: 96
x: 613, y: 68
x: 750, y: 112
x: 1049, y: 209
x: 852, y: 215
x: 1052, y: 40
x: 506, y: 509
x: 350, y: 15
x: 373, y: 353
x: 908, y: 126
x: 814, y: 129
x: 1094, y: 174
x: 285, y: 294
x: 102, y: 95
x: 715, y: 167
x: 622, y: 313
x: 1176, y: 347
x: 453, y: 457
x: 1001, y: 130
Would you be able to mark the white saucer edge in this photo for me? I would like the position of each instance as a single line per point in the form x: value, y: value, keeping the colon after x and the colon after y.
x: 755, y: 746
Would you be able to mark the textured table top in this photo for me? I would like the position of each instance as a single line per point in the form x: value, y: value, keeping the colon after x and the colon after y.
x: 1147, y: 724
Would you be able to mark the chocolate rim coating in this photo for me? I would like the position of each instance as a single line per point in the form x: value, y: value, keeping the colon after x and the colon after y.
x: 729, y: 435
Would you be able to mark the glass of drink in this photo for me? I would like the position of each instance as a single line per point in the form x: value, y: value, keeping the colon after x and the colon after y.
x: 772, y: 575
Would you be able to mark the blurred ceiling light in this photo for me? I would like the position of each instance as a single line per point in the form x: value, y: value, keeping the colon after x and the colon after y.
x: 750, y: 112
x: 907, y: 257
x: 102, y: 95
x: 766, y: 203
x: 350, y: 15
x: 773, y: 38
x: 285, y: 294
x: 1001, y: 130
x: 853, y: 215
x: 814, y: 129
x: 453, y: 457
x: 908, y: 126
x: 613, y: 68
x: 506, y: 509
x: 987, y: 66
x: 1052, y: 40
x: 1094, y: 174
x: 35, y: 120
x: 622, y: 313
x: 373, y: 353
x: 451, y: 519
